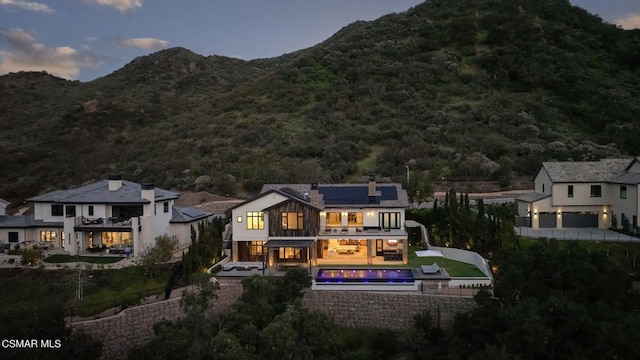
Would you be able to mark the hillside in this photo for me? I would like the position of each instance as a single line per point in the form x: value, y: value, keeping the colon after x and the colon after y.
x: 452, y: 88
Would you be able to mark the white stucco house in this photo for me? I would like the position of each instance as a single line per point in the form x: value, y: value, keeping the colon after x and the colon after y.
x: 111, y: 213
x: 317, y: 224
x: 598, y: 194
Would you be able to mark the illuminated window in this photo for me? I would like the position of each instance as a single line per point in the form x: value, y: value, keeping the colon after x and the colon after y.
x: 290, y: 253
x: 292, y: 220
x: 48, y: 236
x: 334, y: 219
x: 255, y: 220
x: 355, y: 219
x: 255, y: 248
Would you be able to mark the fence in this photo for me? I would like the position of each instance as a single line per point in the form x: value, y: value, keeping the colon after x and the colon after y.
x: 576, y: 234
x: 462, y: 291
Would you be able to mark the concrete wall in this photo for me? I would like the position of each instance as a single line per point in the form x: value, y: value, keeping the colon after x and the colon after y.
x: 121, y: 332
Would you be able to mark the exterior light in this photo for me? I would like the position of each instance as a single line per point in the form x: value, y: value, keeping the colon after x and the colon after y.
x: 535, y: 213
x: 323, y: 214
x: 605, y: 212
x: 239, y: 219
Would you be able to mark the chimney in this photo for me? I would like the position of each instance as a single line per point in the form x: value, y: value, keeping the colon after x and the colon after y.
x: 148, y: 192
x: 372, y: 186
x: 314, y: 193
x: 115, y: 182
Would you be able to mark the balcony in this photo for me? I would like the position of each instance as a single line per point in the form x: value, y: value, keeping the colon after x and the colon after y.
x: 360, y: 231
x: 102, y: 224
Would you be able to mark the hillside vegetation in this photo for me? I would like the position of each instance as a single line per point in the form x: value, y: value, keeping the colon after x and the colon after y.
x: 452, y: 88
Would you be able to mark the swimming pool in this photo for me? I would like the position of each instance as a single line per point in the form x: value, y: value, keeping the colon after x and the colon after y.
x: 365, y: 276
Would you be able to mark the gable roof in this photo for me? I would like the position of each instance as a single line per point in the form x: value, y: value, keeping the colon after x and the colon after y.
x: 187, y: 215
x: 98, y: 192
x: 604, y: 170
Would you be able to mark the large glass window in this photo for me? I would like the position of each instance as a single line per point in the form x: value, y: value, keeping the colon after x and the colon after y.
x: 334, y: 219
x: 623, y: 191
x: 255, y: 248
x: 115, y: 238
x: 255, y: 220
x: 596, y: 191
x: 292, y: 221
x: 355, y: 219
x: 289, y: 253
x: 390, y: 220
x: 57, y: 210
x: 48, y: 236
x: 570, y: 191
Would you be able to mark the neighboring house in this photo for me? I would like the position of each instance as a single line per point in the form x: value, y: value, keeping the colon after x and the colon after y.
x: 320, y: 224
x: 596, y: 194
x: 108, y: 213
x: 18, y: 229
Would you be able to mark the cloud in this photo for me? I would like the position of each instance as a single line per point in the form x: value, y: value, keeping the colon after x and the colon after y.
x: 629, y: 21
x: 121, y: 5
x: 26, y: 54
x: 27, y: 5
x: 144, y: 43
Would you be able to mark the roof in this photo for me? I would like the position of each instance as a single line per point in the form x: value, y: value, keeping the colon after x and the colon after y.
x: 604, y: 170
x: 297, y: 243
x: 349, y: 195
x: 533, y: 197
x: 28, y: 221
x: 3, y: 201
x: 346, y: 195
x: 187, y: 215
x: 98, y: 192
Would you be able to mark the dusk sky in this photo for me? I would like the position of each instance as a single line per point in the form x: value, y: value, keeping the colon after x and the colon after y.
x: 86, y: 39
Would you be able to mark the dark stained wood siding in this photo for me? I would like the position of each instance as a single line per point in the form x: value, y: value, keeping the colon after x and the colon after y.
x: 311, y: 219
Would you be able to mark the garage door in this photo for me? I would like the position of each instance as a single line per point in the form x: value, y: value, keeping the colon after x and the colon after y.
x: 579, y: 220
x: 547, y: 221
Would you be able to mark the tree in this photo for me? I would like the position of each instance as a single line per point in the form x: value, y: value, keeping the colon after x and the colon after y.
x: 161, y: 252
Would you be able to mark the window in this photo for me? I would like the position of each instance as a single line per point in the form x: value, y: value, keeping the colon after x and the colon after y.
x: 289, y: 253
x: 13, y: 236
x: 255, y: 220
x: 292, y: 220
x: 255, y: 248
x: 542, y: 187
x: 71, y: 211
x: 355, y: 219
x: 334, y: 219
x: 596, y: 191
x: 390, y: 220
x: 48, y: 236
x: 570, y: 191
x: 57, y: 210
x: 623, y: 191
x: 90, y: 210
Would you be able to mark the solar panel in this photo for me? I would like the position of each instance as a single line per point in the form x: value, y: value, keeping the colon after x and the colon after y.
x: 356, y: 194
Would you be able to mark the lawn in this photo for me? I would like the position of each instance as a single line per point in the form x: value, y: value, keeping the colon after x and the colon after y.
x: 61, y: 259
x: 453, y: 267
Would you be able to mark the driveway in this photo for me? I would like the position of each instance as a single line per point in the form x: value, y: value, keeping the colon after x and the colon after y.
x: 576, y: 234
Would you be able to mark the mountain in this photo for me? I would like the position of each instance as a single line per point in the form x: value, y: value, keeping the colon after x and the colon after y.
x: 451, y: 88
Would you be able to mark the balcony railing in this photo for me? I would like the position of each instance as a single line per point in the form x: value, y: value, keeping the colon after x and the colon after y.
x: 359, y: 230
x: 110, y: 222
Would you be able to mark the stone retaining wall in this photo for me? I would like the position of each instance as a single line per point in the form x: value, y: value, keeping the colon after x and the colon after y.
x: 121, y: 332
x: 132, y: 326
x: 384, y: 310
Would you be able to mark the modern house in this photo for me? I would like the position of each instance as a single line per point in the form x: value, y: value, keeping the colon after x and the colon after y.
x: 110, y: 213
x: 317, y: 224
x: 597, y: 194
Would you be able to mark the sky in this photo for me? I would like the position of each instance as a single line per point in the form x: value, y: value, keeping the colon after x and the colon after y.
x: 86, y: 39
